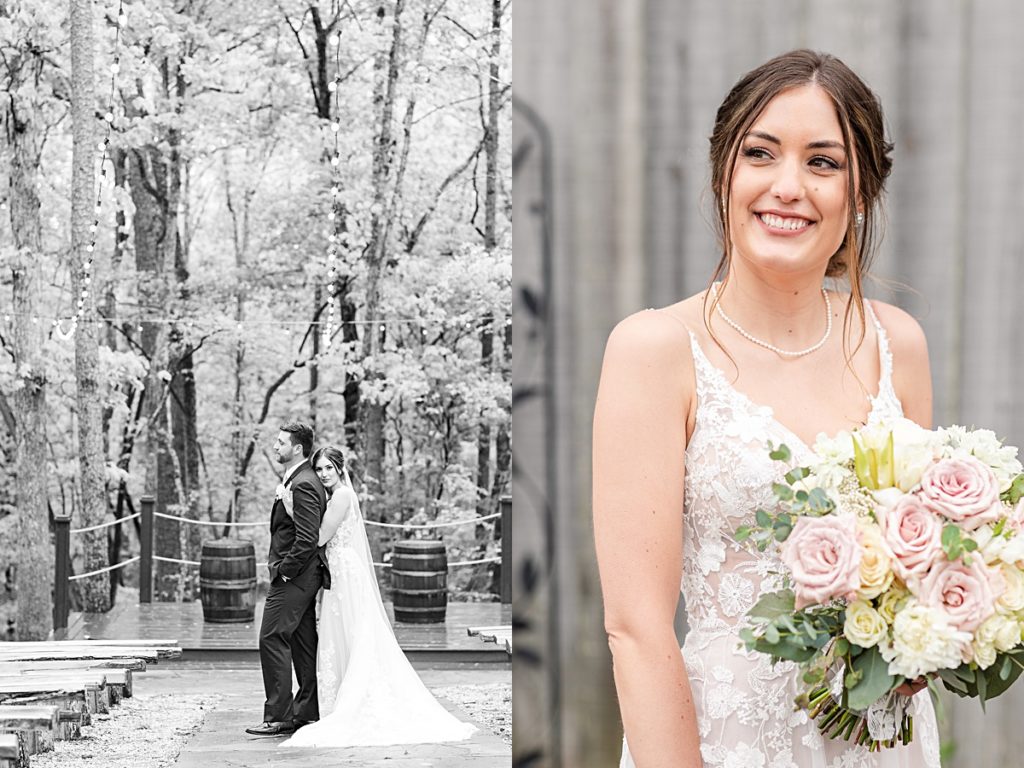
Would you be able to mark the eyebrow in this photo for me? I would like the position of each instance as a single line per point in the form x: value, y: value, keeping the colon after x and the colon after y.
x: 823, y: 144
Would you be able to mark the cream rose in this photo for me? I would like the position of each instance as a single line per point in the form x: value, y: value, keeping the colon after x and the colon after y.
x: 876, y: 572
x: 965, y: 593
x: 1012, y: 599
x: 914, y: 536
x: 864, y: 626
x: 891, y: 602
x: 962, y: 490
x: 823, y: 557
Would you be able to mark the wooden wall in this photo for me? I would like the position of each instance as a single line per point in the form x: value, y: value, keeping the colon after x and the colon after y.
x: 614, y: 104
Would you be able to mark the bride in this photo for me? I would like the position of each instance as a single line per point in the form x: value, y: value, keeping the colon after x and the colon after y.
x: 368, y: 692
x: 692, y: 395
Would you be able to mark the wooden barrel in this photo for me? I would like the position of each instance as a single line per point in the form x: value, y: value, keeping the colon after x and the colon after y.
x: 227, y: 581
x: 419, y: 581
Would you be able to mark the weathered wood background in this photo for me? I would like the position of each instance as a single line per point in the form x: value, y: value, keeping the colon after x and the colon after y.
x: 614, y: 103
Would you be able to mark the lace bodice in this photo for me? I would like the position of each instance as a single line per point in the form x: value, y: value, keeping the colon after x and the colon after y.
x: 745, y: 705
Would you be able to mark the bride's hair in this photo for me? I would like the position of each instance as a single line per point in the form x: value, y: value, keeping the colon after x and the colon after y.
x: 860, y: 118
x: 333, y: 455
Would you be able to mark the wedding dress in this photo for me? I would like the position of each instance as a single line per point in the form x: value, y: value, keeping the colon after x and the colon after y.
x: 368, y: 692
x: 744, y: 705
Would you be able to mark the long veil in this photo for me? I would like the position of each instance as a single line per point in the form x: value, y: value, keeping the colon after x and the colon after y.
x: 363, y: 545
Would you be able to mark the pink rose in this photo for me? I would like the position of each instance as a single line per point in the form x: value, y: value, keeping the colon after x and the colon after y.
x: 913, y: 534
x: 823, y: 556
x: 966, y: 593
x: 964, y: 491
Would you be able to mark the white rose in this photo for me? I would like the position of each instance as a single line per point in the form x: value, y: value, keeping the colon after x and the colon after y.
x: 1012, y: 552
x: 914, y: 450
x: 923, y: 641
x: 864, y: 626
x: 1012, y: 599
x: 990, y: 547
x: 986, y: 447
x: 984, y: 655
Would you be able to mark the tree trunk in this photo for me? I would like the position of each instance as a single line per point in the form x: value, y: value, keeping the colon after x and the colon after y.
x: 182, y: 403
x: 34, y: 554
x: 386, y: 68
x: 95, y: 591
x: 154, y: 233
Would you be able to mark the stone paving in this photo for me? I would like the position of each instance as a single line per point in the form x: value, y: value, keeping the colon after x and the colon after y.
x: 221, y: 742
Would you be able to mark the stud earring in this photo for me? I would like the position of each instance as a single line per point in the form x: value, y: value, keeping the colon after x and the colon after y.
x: 859, y: 218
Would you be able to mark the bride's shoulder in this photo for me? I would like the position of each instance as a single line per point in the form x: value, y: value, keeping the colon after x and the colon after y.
x: 906, y: 337
x: 342, y: 494
x: 655, y: 338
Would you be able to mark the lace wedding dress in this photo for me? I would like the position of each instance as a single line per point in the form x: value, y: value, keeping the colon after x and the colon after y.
x: 744, y: 705
x: 368, y: 692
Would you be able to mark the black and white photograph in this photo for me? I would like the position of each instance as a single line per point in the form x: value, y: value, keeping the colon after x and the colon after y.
x: 256, y: 383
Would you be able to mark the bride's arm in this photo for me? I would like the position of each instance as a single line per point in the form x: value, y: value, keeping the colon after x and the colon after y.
x: 338, y: 508
x: 639, y: 441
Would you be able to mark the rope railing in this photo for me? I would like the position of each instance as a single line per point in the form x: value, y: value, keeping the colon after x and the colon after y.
x: 115, y: 521
x: 146, y: 556
x: 113, y: 567
x: 472, y: 521
x: 262, y: 523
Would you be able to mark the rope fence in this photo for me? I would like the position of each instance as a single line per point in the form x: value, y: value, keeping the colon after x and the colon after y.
x: 113, y: 567
x: 146, y: 556
x: 115, y: 521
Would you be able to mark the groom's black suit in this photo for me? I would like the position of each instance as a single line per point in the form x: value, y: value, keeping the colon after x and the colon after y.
x: 288, y: 633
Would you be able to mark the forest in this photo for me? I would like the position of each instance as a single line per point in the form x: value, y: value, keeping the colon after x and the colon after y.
x: 221, y: 217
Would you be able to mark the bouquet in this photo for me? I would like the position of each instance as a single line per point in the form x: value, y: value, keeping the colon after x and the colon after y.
x: 903, y: 551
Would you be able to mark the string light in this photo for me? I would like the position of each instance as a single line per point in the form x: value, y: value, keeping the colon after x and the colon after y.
x: 333, y: 216
x: 103, y: 147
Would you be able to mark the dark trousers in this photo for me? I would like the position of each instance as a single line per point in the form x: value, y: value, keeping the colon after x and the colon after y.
x: 287, y: 637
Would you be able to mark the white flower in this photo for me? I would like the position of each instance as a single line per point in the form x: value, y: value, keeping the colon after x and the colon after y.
x: 711, y: 555
x: 735, y: 594
x: 1012, y: 599
x: 723, y: 700
x: 284, y: 494
x: 1013, y: 551
x: 987, y: 448
x: 864, y: 625
x: 999, y: 632
x: 923, y: 642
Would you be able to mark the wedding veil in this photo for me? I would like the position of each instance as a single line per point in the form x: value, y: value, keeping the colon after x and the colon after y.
x: 361, y: 544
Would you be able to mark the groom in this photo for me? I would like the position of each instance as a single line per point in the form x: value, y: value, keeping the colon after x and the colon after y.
x: 288, y: 634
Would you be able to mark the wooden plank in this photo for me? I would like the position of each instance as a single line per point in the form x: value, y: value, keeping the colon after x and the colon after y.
x: 498, y: 628
x: 133, y: 643
x: 80, y: 655
x: 135, y: 665
x: 27, y: 718
x: 184, y: 622
x: 85, y: 648
x: 8, y: 746
x: 111, y: 676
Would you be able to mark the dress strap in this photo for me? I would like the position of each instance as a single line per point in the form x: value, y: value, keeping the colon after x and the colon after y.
x: 886, y: 402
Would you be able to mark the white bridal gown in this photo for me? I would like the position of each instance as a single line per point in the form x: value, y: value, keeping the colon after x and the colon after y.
x: 745, y: 710
x: 368, y: 692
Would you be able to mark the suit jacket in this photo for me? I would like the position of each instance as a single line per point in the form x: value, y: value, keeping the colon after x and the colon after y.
x: 293, y: 538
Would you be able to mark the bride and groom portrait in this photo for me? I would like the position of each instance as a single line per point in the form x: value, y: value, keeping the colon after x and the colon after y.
x: 325, y: 619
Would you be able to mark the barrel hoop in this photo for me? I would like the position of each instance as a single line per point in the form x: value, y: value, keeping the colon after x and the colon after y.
x: 221, y: 584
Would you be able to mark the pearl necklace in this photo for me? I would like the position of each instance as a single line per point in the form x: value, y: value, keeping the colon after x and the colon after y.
x: 772, y: 347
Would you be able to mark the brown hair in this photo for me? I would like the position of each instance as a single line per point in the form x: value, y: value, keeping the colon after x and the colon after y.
x: 861, y: 121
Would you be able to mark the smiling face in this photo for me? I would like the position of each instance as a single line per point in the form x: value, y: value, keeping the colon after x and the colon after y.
x: 788, y: 202
x: 327, y: 472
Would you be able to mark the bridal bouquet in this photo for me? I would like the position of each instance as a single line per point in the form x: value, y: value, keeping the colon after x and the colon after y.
x: 904, y: 559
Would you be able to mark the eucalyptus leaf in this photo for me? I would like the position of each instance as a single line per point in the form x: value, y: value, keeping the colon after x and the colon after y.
x: 875, y: 679
x: 774, y: 604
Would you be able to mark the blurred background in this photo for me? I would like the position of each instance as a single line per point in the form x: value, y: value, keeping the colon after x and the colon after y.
x: 613, y: 104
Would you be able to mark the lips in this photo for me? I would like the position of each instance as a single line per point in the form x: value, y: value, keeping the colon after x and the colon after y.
x: 784, y: 223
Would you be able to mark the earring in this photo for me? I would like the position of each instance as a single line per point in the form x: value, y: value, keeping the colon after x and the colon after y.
x: 859, y: 218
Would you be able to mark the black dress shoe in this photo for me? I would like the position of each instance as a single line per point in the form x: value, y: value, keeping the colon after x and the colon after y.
x: 271, y: 729
x: 299, y: 723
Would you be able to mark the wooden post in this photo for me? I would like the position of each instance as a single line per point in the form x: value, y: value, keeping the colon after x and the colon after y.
x: 62, y: 561
x: 506, y: 549
x: 146, y: 551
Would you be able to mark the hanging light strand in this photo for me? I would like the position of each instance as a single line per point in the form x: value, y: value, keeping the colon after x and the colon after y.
x: 103, y: 146
x: 334, y: 215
